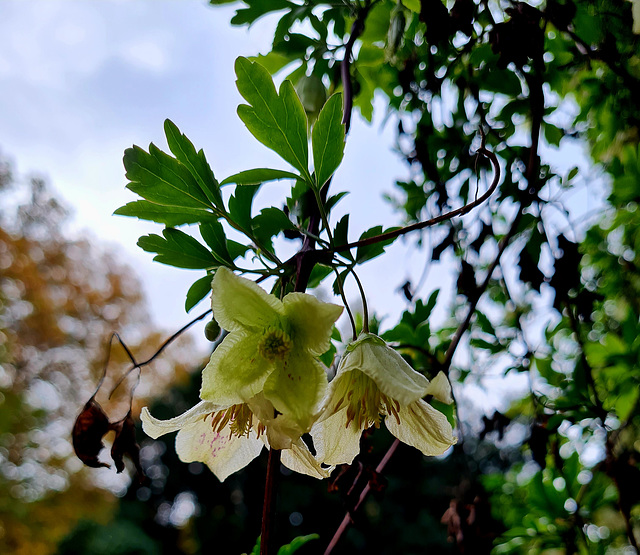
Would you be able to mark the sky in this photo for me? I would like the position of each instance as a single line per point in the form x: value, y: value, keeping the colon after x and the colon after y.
x: 82, y: 81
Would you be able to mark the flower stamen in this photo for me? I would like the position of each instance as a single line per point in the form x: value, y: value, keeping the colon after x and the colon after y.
x: 241, y: 418
x: 274, y: 344
x: 366, y: 404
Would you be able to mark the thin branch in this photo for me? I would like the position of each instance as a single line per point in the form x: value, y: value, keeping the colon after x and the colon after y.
x: 433, y: 221
x: 138, y: 365
x: 347, y: 518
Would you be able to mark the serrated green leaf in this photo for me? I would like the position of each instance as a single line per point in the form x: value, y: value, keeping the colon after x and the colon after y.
x: 198, y: 291
x: 195, y: 162
x: 258, y: 8
x: 277, y: 120
x: 327, y: 139
x: 214, y: 236
x: 258, y: 176
x: 240, y: 205
x: 178, y: 249
x: 160, y: 178
x: 341, y: 235
x: 269, y: 223
x: 273, y: 61
x: 236, y: 249
x: 171, y: 216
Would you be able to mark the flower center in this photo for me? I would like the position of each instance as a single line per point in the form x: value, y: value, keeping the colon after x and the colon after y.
x: 275, y: 344
x: 365, y: 403
x: 241, y: 419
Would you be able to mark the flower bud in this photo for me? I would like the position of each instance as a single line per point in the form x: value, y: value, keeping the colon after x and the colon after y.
x: 312, y: 94
x: 212, y: 330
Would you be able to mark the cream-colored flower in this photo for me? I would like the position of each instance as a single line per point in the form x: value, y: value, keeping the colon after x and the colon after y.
x: 227, y: 439
x: 373, y: 383
x: 271, y: 348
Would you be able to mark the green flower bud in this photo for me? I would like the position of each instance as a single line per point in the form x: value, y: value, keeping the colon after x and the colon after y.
x: 312, y: 94
x: 212, y: 330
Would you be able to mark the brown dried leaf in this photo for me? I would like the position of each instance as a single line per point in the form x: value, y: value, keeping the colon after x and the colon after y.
x: 125, y: 444
x: 89, y: 429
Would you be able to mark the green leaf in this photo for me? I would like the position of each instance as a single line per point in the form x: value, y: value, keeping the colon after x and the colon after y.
x: 553, y: 134
x: 195, y: 162
x: 376, y: 249
x: 236, y: 249
x: 240, y: 205
x: 214, y: 236
x: 169, y: 215
x: 178, y: 249
x: 327, y: 139
x: 160, y: 178
x: 256, y: 9
x: 273, y: 61
x: 258, y: 176
x: 318, y: 273
x: 341, y: 235
x: 296, y: 544
x: 277, y: 120
x: 269, y: 223
x: 198, y: 291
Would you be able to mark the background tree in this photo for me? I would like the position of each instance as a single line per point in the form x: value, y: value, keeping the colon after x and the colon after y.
x: 61, y: 298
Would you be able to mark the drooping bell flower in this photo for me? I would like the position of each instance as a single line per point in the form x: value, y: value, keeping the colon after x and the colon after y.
x: 374, y: 383
x: 227, y: 439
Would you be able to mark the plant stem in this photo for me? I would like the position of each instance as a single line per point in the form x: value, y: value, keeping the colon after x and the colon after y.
x: 267, y: 543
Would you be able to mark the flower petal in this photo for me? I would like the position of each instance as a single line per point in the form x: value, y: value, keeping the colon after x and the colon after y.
x: 440, y: 388
x: 422, y: 427
x: 392, y: 374
x: 222, y: 452
x: 239, y: 303
x: 299, y: 459
x: 155, y: 428
x: 311, y: 321
x: 336, y: 443
x: 297, y: 387
x: 236, y: 371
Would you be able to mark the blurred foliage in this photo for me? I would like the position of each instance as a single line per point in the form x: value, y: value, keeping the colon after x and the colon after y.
x: 60, y: 299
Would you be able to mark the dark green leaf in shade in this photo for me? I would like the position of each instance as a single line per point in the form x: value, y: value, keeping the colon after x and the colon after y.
x: 327, y: 139
x: 334, y: 199
x: 168, y: 215
x: 214, y: 236
x: 341, y: 235
x: 258, y: 8
x: 236, y: 249
x: 160, y: 178
x: 277, y: 120
x: 195, y: 162
x: 376, y: 249
x: 178, y: 249
x: 240, y: 205
x: 198, y: 291
x: 269, y: 223
x: 319, y: 272
x: 258, y: 176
